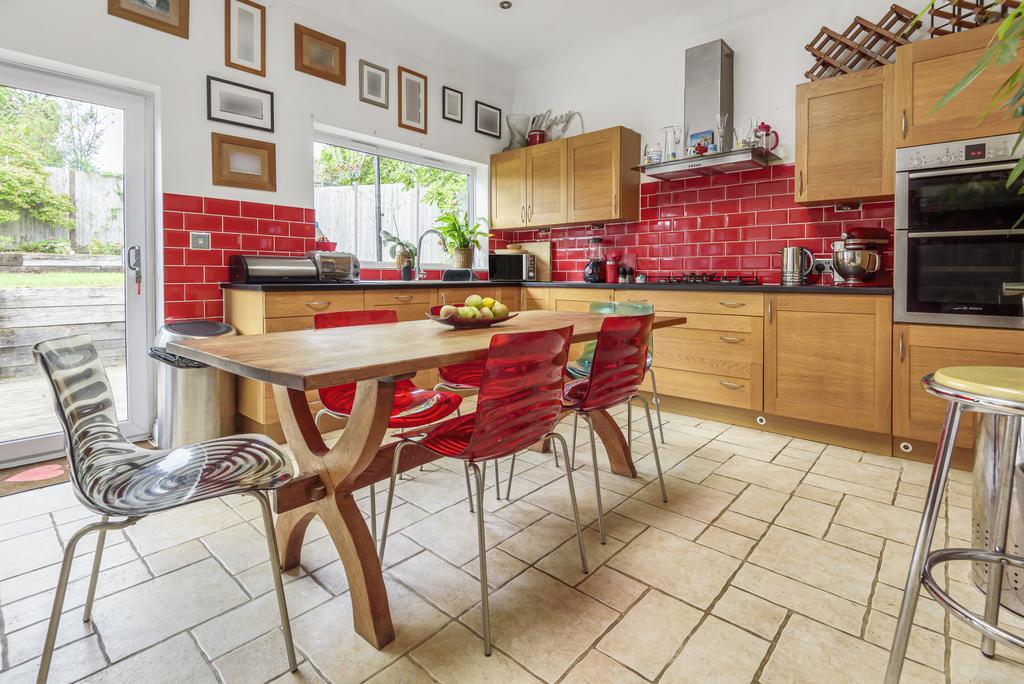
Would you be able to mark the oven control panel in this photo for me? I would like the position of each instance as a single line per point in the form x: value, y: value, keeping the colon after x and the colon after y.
x: 958, y: 153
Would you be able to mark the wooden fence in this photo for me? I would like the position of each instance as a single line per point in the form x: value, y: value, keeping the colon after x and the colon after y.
x: 99, y: 210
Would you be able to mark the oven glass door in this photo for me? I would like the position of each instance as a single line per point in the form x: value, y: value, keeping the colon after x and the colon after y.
x: 957, y: 273
x: 972, y: 198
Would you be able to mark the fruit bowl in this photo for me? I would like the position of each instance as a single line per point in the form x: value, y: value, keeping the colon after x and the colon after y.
x: 459, y: 322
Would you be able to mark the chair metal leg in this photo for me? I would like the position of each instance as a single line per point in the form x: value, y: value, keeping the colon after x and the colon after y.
x: 657, y: 403
x: 373, y: 512
x: 1008, y: 434
x: 275, y: 565
x: 575, y: 429
x: 575, y: 509
x: 391, y: 497
x: 97, y: 561
x: 497, y: 482
x: 469, y: 488
x: 62, y: 586
x: 654, y: 443
x: 925, y: 533
x: 597, y: 478
x: 484, y: 605
x: 629, y: 426
x: 511, y: 472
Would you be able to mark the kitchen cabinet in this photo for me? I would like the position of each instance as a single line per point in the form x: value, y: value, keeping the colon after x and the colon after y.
x: 922, y: 349
x: 577, y: 299
x: 926, y: 70
x: 411, y: 304
x: 845, y: 145
x: 827, y: 359
x: 534, y: 299
x: 717, y: 355
x: 602, y: 185
x: 581, y: 179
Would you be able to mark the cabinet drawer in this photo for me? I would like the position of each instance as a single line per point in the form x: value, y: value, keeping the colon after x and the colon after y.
x: 309, y: 303
x: 272, y: 325
x: 708, y: 351
x: 383, y: 299
x: 729, y: 303
x: 715, y: 389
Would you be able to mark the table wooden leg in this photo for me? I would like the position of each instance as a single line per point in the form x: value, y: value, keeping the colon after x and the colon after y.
x: 290, y: 529
x: 614, y: 441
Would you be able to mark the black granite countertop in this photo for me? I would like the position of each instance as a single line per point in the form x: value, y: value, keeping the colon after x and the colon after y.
x: 880, y: 289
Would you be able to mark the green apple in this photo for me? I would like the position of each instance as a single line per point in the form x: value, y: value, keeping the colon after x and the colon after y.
x: 467, y: 312
x: 500, y: 310
x: 448, y: 311
x: 475, y: 301
x: 486, y: 313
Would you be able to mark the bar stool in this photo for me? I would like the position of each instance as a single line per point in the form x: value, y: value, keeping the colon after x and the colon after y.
x: 998, y: 394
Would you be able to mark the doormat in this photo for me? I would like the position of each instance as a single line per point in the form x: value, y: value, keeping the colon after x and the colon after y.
x: 33, y: 476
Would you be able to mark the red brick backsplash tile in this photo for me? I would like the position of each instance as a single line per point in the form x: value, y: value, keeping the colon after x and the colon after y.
x: 212, y: 205
x: 183, y: 203
x: 257, y: 210
x: 289, y: 214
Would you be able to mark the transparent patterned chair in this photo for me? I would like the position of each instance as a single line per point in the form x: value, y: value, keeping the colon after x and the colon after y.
x: 115, y: 479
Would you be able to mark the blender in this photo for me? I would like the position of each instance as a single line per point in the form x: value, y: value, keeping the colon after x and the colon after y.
x: 594, y: 270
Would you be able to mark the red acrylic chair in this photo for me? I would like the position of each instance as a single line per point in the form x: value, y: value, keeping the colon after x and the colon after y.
x: 520, y: 402
x: 617, y: 371
x: 413, y: 407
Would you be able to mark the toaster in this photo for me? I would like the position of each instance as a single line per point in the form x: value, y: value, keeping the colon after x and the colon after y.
x: 340, y: 267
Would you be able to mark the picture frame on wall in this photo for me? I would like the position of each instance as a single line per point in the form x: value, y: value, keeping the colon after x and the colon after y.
x: 488, y: 119
x: 451, y: 104
x: 319, y: 54
x: 245, y: 36
x: 373, y: 84
x: 238, y: 104
x: 412, y: 100
x: 169, y: 16
x: 244, y: 163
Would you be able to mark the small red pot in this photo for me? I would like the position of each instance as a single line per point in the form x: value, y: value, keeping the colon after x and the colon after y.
x: 325, y: 246
x: 536, y: 137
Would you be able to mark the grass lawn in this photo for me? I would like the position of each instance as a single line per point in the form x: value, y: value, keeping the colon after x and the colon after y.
x: 61, y: 279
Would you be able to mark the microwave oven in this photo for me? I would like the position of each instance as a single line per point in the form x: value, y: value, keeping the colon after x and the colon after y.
x: 512, y: 267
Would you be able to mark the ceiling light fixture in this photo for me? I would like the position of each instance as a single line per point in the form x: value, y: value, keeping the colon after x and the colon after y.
x: 505, y: 4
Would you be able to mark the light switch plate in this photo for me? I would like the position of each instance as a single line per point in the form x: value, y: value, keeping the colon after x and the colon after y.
x: 199, y: 240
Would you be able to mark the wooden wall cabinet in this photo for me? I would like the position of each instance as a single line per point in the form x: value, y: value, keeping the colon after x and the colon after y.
x: 582, y: 179
x: 927, y: 70
x: 922, y: 349
x: 827, y: 359
x: 845, y: 144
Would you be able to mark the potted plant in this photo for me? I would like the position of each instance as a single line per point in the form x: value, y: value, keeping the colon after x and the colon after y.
x: 403, y: 252
x: 461, y: 238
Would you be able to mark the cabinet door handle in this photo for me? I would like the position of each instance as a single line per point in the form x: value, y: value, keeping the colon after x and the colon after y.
x: 732, y: 305
x: 903, y: 124
x: 637, y: 300
x: 318, y: 306
x: 901, y: 348
x: 404, y: 298
x: 522, y: 213
x: 801, y: 181
x: 529, y: 212
x: 728, y: 339
x: 730, y: 385
x: 615, y: 203
x: 769, y: 311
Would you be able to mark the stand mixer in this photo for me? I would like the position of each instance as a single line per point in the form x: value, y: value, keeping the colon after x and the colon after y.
x: 858, y: 256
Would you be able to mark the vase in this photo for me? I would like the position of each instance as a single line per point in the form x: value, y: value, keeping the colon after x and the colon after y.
x: 462, y: 257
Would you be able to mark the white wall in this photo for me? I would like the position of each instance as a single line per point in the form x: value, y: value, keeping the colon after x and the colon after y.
x: 81, y: 33
x: 636, y: 78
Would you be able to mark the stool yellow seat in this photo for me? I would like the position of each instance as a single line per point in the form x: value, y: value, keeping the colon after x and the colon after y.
x: 990, y: 381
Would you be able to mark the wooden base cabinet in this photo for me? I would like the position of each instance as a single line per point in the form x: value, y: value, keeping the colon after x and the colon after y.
x: 922, y: 349
x: 827, y: 359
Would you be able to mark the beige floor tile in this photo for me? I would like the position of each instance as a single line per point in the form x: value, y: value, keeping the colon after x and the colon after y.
x: 968, y: 666
x: 397, y: 550
x: 833, y: 610
x: 258, y: 579
x: 177, y: 526
x: 863, y: 473
x: 45, y: 579
x: 402, y: 671
x: 26, y: 644
x: 539, y: 539
x: 855, y: 539
x: 925, y: 646
x: 501, y: 567
x: 70, y: 663
x: 741, y: 524
x: 259, y: 660
x: 164, y: 606
x: 845, y: 487
x: 238, y: 548
x: 306, y: 674
x: 26, y: 526
x: 750, y: 612
x: 325, y: 634
x: 432, y: 491
x: 452, y: 534
x: 30, y: 552
x: 685, y: 498
x: 694, y: 469
x: 701, y: 659
x: 441, y: 583
x: 678, y: 567
x: 38, y: 502
x: 724, y: 484
x: 929, y: 614
x: 881, y: 519
x: 802, y: 464
x: 758, y: 472
x: 804, y: 515
x: 896, y: 562
x: 815, y: 493
x: 620, y: 527
x: 456, y: 655
x: 564, y: 562
x: 818, y: 563
x: 612, y: 588
x: 521, y: 513
x: 169, y: 662
x: 727, y: 542
x: 758, y: 502
x: 597, y: 667
x: 664, y: 520
x: 837, y: 658
x: 193, y: 551
x: 649, y: 635
x: 554, y: 497
x: 542, y: 623
x: 757, y: 439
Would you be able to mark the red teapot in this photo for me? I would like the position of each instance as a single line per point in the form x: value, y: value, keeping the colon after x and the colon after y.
x: 764, y: 134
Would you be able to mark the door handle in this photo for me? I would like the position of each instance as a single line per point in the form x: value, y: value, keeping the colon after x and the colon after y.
x: 730, y: 385
x: 769, y: 311
x: 615, y: 203
x: 901, y: 349
x: 728, y: 339
x: 732, y: 305
x: 529, y: 212
x: 318, y: 306
x: 404, y: 298
x: 903, y: 124
x: 522, y: 213
x: 801, y: 181
x: 135, y: 265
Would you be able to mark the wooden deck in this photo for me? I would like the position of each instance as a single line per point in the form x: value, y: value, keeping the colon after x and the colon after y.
x: 26, y: 405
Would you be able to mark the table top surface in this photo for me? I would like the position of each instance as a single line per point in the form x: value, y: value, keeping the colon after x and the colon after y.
x: 312, y: 359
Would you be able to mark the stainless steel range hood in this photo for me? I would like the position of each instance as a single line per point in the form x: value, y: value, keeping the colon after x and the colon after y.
x: 741, y: 159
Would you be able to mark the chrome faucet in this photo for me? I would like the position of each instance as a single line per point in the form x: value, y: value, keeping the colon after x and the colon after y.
x: 418, y: 273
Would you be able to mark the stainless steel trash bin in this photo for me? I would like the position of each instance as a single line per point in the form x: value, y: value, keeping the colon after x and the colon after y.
x: 194, y: 401
x: 985, y: 449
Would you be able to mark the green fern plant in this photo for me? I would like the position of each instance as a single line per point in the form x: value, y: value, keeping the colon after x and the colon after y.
x: 458, y: 232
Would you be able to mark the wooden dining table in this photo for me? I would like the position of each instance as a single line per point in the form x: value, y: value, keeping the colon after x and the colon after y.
x: 374, y: 357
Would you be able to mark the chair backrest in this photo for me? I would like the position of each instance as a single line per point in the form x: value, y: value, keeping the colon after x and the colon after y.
x: 86, y: 409
x: 520, y: 397
x: 585, y: 359
x: 620, y: 360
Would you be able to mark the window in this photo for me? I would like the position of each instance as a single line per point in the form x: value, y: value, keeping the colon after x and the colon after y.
x: 360, y: 192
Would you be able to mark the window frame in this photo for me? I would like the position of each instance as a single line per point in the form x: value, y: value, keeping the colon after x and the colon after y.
x: 378, y: 151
